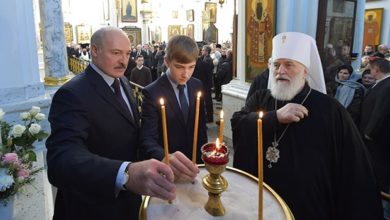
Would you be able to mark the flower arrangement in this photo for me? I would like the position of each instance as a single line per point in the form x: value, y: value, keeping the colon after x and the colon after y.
x: 17, y: 151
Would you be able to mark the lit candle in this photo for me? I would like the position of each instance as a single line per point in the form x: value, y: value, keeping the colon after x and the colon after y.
x: 164, y: 125
x: 195, y: 142
x: 221, y: 124
x: 260, y: 162
x: 215, y: 153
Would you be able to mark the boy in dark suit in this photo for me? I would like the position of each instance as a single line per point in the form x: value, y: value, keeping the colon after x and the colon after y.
x: 179, y: 91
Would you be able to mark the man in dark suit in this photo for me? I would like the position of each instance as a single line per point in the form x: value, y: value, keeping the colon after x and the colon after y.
x: 375, y: 120
x: 208, y: 83
x: 179, y: 90
x: 93, y: 146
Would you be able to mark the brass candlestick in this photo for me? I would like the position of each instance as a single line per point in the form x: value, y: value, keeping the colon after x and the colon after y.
x: 215, y: 161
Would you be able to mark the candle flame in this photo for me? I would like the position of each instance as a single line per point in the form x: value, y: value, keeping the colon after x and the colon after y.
x: 217, y: 145
x: 260, y: 114
x: 199, y: 94
x: 221, y: 114
x: 161, y: 101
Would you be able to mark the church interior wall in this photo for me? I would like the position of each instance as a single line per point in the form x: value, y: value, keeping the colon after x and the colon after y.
x: 298, y: 15
x: 91, y: 12
x: 385, y: 4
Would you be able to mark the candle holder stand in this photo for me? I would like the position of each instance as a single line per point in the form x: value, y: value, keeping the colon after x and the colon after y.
x: 213, y: 182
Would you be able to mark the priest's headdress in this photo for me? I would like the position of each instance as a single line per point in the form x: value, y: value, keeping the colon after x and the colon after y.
x: 303, y: 49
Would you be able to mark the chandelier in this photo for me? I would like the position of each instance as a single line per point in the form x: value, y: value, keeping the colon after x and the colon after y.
x: 221, y: 2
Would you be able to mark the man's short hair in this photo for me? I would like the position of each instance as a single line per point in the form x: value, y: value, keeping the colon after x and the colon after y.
x: 207, y: 48
x: 182, y: 48
x: 99, y: 35
x: 218, y: 46
x: 139, y: 56
x: 381, y: 63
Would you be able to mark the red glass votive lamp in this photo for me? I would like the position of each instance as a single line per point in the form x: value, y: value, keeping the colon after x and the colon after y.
x: 215, y: 154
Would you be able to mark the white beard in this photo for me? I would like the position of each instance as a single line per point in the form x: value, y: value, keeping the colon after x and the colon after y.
x: 286, y: 91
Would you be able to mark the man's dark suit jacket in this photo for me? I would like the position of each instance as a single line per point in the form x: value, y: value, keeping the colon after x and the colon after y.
x: 91, y: 135
x: 375, y: 122
x: 180, y: 135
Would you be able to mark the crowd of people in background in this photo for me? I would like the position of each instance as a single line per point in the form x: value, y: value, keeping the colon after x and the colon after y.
x: 213, y: 68
x: 80, y: 51
x: 146, y: 64
x: 349, y: 86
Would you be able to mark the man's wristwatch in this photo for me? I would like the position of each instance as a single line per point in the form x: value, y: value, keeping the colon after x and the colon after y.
x: 126, y: 177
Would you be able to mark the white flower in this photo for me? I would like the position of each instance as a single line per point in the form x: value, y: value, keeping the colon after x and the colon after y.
x: 25, y: 116
x: 2, y: 113
x: 34, y: 110
x: 6, y: 180
x: 40, y: 116
x: 34, y: 128
x: 18, y: 130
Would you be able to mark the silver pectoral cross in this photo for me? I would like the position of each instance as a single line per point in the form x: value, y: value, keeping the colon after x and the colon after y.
x: 272, y: 154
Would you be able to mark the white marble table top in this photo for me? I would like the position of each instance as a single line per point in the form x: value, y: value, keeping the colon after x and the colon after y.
x: 240, y: 201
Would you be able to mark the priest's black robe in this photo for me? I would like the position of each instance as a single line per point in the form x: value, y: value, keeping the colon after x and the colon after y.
x: 324, y: 170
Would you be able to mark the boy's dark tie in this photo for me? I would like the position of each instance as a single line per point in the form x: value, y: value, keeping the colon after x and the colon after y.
x: 183, y: 102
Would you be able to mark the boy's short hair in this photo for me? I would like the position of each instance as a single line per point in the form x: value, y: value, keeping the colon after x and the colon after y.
x: 182, y: 48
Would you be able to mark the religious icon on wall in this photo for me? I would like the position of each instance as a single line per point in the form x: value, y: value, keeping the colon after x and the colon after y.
x: 210, y: 35
x: 68, y: 31
x: 129, y: 10
x: 260, y: 26
x: 84, y: 33
x: 134, y: 35
x: 173, y: 30
x: 211, y: 9
x: 372, y: 26
x: 190, y: 30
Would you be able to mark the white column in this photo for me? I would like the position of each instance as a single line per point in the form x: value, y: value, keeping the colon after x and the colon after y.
x: 359, y: 31
x: 18, y: 60
x: 146, y: 16
x: 297, y: 15
x: 53, y: 38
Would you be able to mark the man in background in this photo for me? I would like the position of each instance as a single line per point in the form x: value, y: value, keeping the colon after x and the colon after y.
x: 375, y: 120
x: 141, y: 74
